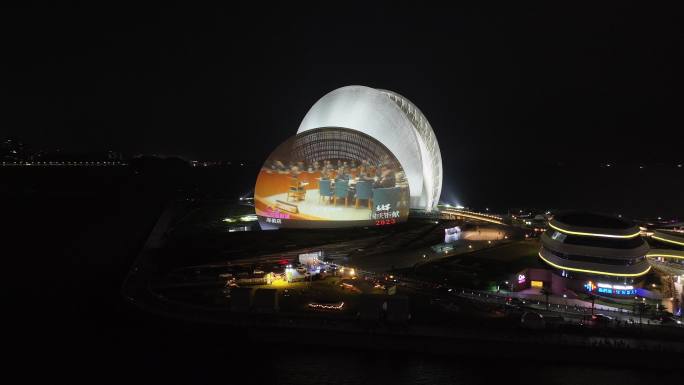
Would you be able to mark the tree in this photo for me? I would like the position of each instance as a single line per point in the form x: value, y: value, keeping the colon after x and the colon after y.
x: 642, y: 309
x: 593, y: 300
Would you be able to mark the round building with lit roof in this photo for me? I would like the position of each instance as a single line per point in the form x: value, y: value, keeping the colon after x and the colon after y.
x: 596, y: 247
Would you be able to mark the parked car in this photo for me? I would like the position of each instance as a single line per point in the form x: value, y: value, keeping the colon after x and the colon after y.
x: 596, y: 320
x: 515, y: 301
x: 532, y: 320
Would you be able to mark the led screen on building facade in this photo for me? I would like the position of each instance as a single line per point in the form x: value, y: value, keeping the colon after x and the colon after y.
x: 331, y: 177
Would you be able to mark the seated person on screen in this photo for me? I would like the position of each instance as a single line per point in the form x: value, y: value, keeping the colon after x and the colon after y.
x: 344, y: 173
x: 386, y: 178
x: 364, y: 176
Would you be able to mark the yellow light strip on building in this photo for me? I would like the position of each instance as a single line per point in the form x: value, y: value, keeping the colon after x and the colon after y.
x: 593, y: 234
x: 594, y: 271
x: 667, y: 240
x: 665, y: 256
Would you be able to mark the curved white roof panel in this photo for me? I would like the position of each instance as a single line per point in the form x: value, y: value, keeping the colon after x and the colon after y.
x: 395, y: 122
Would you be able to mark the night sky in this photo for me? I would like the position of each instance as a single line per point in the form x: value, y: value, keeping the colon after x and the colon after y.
x: 506, y: 89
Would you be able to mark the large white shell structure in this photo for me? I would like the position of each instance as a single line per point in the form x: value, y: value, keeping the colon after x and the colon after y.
x: 395, y: 122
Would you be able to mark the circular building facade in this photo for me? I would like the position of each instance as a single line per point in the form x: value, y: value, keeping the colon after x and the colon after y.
x: 396, y: 123
x: 595, y: 247
x: 667, y: 251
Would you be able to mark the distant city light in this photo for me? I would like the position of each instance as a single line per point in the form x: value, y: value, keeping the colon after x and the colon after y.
x: 248, y: 218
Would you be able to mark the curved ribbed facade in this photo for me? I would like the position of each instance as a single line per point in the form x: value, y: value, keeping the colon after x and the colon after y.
x: 593, y: 245
x: 394, y: 121
x: 667, y: 252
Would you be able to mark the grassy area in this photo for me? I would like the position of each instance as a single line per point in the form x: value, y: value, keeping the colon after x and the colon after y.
x: 296, y: 296
x: 622, y: 303
x: 479, y: 269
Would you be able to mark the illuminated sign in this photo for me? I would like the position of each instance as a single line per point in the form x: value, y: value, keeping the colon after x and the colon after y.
x: 537, y: 284
x: 590, y: 286
x: 521, y: 278
x: 610, y: 289
x: 452, y: 234
x: 331, y: 177
x: 384, y: 215
x: 604, y: 290
x: 620, y: 287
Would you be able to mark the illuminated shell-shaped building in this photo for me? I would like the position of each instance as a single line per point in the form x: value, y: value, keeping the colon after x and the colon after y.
x: 395, y: 122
